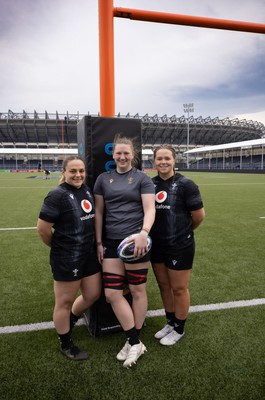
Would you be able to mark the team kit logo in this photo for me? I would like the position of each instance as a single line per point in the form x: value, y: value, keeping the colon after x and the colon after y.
x: 161, y: 198
x: 87, y: 208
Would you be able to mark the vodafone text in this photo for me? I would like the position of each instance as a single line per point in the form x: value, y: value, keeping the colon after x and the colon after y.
x: 87, y: 217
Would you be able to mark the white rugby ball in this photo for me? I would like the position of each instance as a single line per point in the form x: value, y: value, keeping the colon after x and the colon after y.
x: 125, y: 249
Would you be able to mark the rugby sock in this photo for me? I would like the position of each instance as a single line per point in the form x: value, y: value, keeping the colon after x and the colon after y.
x: 179, y: 325
x: 170, y: 316
x: 73, y: 320
x: 132, y: 336
x: 65, y: 340
x: 138, y: 332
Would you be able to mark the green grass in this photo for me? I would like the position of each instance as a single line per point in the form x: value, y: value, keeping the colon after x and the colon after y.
x: 222, y: 355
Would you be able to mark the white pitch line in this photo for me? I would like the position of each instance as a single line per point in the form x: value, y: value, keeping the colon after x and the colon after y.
x: 152, y: 313
x: 17, y: 229
x: 231, y: 183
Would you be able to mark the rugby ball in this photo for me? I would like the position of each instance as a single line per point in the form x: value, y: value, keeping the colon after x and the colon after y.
x: 125, y: 249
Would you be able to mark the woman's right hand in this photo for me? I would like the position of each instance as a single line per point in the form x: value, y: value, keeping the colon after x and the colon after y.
x: 100, y: 252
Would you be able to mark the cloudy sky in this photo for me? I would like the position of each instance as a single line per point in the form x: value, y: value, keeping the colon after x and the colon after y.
x: 50, y: 62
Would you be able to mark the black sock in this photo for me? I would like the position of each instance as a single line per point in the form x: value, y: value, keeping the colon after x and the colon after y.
x: 73, y: 320
x: 65, y: 340
x: 139, y: 330
x: 170, y: 316
x: 132, y: 336
x: 179, y: 325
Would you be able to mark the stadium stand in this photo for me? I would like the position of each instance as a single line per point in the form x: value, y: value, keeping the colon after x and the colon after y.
x: 47, y: 131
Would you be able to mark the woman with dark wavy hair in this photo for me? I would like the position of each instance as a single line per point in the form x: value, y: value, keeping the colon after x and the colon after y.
x: 179, y: 211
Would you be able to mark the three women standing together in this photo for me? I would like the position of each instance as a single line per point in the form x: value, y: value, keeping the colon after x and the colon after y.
x: 127, y: 201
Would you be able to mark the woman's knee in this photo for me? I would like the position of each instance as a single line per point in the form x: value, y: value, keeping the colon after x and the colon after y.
x: 63, y: 303
x: 180, y: 291
x: 113, y: 295
x: 138, y: 291
x: 91, y: 297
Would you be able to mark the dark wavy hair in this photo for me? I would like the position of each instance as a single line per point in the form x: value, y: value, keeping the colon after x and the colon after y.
x: 167, y: 147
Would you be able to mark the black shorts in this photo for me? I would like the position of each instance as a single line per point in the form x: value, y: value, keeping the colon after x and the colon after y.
x: 65, y: 269
x: 110, y: 251
x: 173, y: 258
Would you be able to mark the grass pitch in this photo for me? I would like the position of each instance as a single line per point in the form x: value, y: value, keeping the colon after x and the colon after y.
x: 222, y: 354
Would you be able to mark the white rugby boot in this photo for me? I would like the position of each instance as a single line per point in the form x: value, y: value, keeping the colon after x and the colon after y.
x: 134, y: 353
x: 164, y: 331
x: 121, y: 356
x: 172, y: 338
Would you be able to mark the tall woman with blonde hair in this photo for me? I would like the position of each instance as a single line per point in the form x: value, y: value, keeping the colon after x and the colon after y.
x: 125, y: 205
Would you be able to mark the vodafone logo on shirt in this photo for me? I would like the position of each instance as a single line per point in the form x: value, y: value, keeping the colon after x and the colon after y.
x: 161, y: 196
x: 86, y: 206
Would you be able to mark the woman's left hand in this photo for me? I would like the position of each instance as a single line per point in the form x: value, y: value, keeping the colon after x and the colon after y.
x: 140, y: 244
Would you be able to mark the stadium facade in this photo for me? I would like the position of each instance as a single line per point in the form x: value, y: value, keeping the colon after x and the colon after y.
x: 59, y: 131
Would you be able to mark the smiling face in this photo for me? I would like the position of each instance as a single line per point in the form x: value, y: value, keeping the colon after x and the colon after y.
x: 74, y: 173
x: 164, y: 162
x: 123, y: 156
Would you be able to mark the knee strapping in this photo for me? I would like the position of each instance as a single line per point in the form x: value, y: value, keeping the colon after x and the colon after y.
x: 137, y: 277
x: 113, y: 281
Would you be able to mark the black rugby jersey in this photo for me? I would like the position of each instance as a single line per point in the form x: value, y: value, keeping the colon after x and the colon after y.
x: 72, y: 211
x: 176, y: 197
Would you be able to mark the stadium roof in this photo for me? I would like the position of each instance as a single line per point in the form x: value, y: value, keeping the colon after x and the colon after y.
x: 226, y: 146
x: 51, y: 130
x: 26, y: 150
